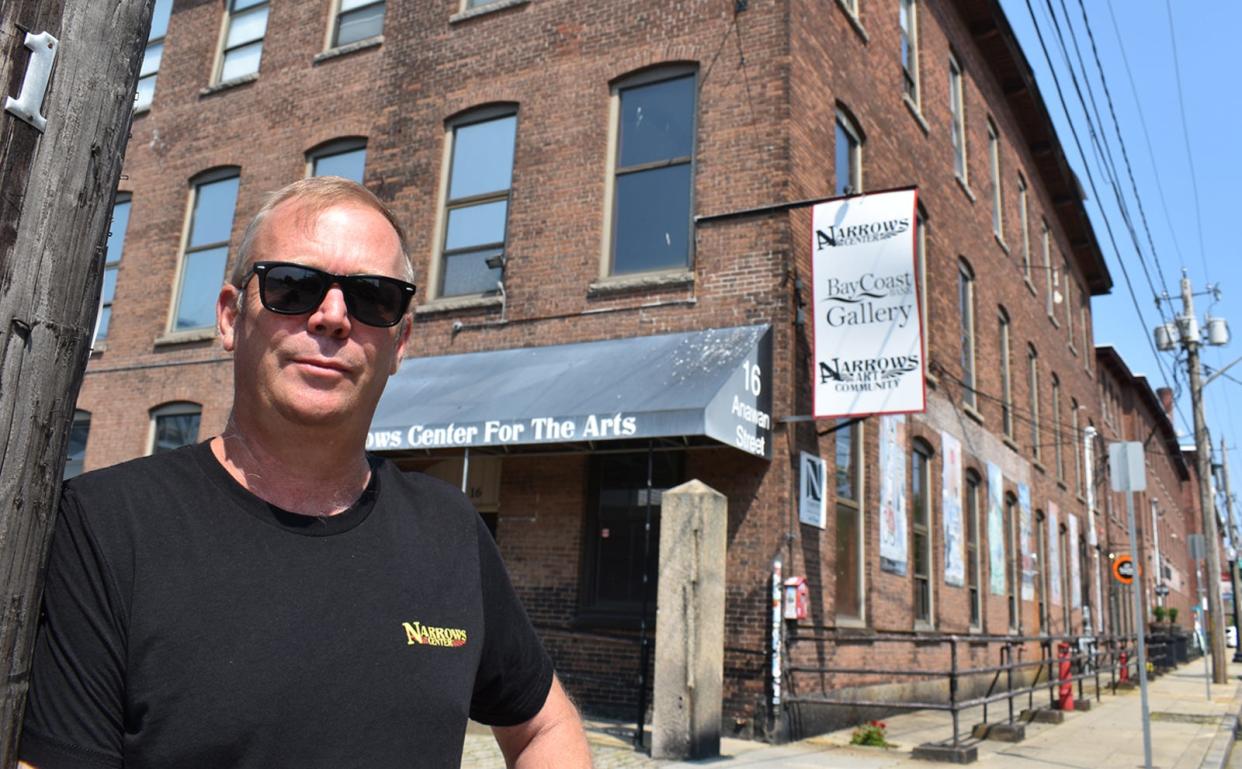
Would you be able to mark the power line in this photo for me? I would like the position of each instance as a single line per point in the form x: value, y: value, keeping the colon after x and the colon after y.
x: 1190, y: 161
x: 1107, y: 225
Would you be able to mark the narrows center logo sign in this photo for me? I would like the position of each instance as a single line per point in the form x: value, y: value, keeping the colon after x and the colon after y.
x: 868, y: 335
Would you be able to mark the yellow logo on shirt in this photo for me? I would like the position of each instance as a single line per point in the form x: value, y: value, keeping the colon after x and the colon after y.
x: 426, y: 635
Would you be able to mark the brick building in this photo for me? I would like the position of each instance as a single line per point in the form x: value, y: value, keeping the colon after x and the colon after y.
x: 588, y: 190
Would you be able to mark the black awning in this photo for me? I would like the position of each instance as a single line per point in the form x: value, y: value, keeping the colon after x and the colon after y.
x: 714, y: 383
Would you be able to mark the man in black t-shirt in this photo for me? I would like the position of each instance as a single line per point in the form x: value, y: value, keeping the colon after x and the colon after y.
x: 273, y: 596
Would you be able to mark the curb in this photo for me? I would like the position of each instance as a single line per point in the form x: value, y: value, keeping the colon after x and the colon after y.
x: 1222, y: 744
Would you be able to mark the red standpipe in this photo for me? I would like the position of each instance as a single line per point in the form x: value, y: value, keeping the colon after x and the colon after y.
x: 1066, y: 700
x: 1125, y: 668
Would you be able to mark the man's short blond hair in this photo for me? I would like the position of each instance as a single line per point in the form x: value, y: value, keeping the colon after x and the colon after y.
x: 315, y: 195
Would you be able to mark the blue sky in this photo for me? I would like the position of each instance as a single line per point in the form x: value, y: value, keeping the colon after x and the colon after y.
x: 1181, y: 135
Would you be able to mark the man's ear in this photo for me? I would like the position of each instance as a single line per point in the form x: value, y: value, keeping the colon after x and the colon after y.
x: 403, y: 339
x: 228, y: 313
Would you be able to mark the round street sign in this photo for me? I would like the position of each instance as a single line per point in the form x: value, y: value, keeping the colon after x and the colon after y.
x: 1123, y: 569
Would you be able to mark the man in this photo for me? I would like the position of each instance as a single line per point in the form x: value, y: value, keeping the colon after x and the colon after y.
x: 273, y: 596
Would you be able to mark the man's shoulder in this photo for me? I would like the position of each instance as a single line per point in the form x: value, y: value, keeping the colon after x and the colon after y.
x: 153, y: 472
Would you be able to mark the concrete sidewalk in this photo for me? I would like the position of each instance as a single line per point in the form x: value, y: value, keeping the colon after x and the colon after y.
x: 1189, y: 731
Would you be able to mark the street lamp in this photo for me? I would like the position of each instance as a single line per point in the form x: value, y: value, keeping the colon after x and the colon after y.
x: 1185, y: 330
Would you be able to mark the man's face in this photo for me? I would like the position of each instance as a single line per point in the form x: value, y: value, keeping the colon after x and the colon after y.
x: 324, y: 368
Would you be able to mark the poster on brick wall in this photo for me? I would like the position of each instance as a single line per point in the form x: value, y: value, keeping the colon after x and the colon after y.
x: 1075, y: 585
x: 996, y: 530
x: 1026, y: 537
x: 868, y: 351
x: 951, y: 505
x: 893, y: 494
x: 1054, y: 556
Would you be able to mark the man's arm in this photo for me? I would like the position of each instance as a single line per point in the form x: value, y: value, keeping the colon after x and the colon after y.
x: 553, y: 738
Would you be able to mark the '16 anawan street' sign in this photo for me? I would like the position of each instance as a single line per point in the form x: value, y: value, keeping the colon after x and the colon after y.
x: 868, y: 330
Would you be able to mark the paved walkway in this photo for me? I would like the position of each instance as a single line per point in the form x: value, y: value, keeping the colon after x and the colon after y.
x: 1189, y: 731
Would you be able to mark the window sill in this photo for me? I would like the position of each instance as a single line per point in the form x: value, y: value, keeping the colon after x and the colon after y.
x: 99, y: 346
x: 932, y: 379
x: 227, y: 84
x: 1039, y: 466
x: 854, y: 21
x: 1062, y: 485
x: 1073, y: 350
x: 1054, y: 320
x: 916, y: 113
x: 457, y: 303
x: 1029, y: 285
x: 140, y: 111
x: 621, y: 284
x: 853, y: 623
x: 1081, y: 498
x: 185, y: 337
x: 483, y: 10
x: 347, y: 49
x: 923, y: 626
x: 965, y: 187
x: 1001, y: 242
x: 1014, y: 447
x: 970, y: 411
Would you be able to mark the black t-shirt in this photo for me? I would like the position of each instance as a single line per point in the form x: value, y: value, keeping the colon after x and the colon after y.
x: 187, y: 623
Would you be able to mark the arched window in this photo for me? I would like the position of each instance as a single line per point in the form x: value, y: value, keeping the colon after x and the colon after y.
x: 213, y: 201
x: 174, y: 425
x: 973, y: 486
x: 921, y: 528
x: 339, y: 157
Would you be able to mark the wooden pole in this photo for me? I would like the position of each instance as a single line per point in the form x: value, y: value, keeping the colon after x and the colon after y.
x: 67, y: 101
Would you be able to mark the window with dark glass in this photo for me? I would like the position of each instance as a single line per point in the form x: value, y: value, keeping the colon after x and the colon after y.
x: 1006, y: 381
x: 346, y: 158
x: 920, y: 531
x: 206, y: 251
x: 112, y: 263
x: 1041, y: 572
x: 1013, y: 561
x: 480, y: 175
x: 998, y: 200
x: 848, y: 157
x: 1056, y: 428
x: 1024, y: 223
x: 75, y: 455
x: 1076, y: 446
x: 652, y: 180
x: 957, y: 118
x: 243, y: 40
x: 849, y: 525
x: 613, y: 561
x: 1032, y: 362
x: 966, y: 309
x: 972, y: 546
x: 174, y: 425
x: 358, y: 20
x: 152, y: 56
x: 908, y: 10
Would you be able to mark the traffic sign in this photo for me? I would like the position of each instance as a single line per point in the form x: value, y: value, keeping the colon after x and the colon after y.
x: 1123, y: 569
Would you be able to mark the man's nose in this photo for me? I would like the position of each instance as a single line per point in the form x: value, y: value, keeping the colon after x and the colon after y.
x: 331, y: 317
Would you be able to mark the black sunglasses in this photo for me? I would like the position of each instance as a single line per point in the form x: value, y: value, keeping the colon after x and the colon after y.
x: 295, y: 289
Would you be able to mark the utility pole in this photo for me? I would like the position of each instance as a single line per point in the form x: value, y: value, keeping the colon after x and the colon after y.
x: 69, y: 69
x: 1189, y: 331
x: 1233, y: 539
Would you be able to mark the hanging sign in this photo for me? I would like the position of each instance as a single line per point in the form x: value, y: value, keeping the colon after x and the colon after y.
x: 893, y: 494
x: 996, y: 530
x: 868, y: 333
x: 1054, y: 556
x: 812, y: 502
x: 1026, y: 533
x: 951, y: 503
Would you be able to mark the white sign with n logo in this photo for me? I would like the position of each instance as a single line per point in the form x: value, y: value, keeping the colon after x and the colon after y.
x: 812, y: 502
